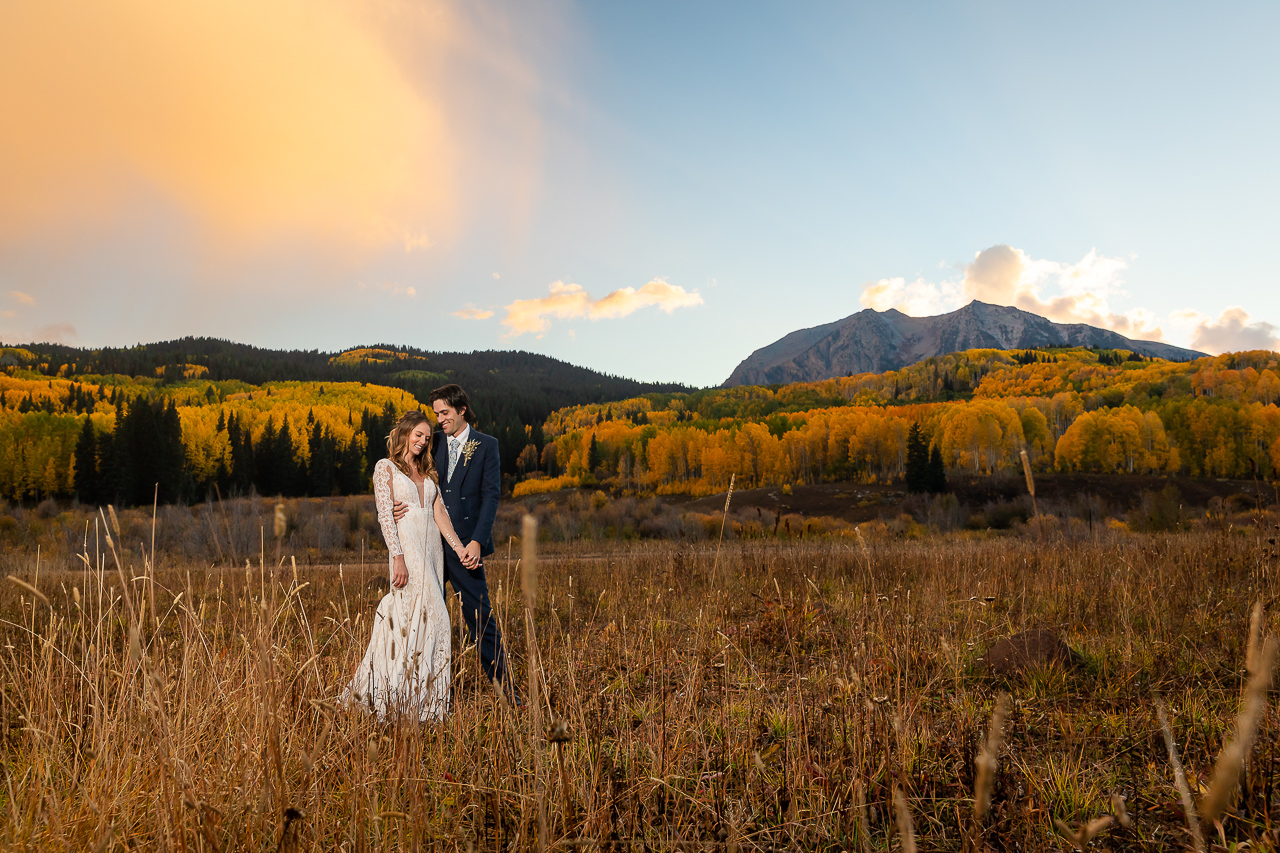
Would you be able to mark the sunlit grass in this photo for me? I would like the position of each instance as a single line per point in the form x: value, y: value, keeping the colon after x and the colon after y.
x: 779, y: 699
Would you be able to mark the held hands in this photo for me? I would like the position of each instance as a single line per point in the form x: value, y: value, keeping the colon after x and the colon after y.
x: 470, y: 555
x: 399, y: 572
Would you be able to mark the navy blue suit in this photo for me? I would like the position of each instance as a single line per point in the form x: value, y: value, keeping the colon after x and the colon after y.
x: 471, y: 498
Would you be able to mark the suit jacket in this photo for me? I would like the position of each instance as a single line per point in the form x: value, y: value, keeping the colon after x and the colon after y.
x: 471, y: 495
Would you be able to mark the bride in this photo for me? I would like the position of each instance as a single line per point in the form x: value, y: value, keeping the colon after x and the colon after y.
x: 405, y: 670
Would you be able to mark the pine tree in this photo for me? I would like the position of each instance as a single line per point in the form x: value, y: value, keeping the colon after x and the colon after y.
x: 86, y: 474
x: 321, y: 467
x: 170, y: 458
x: 593, y: 455
x: 266, y: 476
x: 937, y: 471
x: 917, y: 460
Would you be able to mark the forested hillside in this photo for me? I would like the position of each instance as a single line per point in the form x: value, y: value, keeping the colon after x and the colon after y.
x: 1070, y: 409
x: 66, y: 430
x: 196, y: 413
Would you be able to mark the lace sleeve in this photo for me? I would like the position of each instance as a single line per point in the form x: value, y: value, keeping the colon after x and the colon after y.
x: 383, y: 500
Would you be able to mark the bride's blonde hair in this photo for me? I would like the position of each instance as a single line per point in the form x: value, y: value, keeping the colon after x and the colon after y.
x: 398, y: 440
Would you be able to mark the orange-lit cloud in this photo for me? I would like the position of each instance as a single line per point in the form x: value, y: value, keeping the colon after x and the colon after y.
x: 472, y: 313
x: 567, y: 301
x: 1003, y: 275
x: 264, y: 121
x: 23, y: 298
x: 1233, y: 331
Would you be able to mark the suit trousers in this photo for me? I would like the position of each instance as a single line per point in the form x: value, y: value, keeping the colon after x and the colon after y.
x: 471, y: 586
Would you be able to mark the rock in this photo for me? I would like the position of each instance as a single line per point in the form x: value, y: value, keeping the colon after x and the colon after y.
x: 1038, y: 648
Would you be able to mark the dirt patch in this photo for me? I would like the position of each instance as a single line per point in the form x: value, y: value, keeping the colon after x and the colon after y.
x: 1038, y: 648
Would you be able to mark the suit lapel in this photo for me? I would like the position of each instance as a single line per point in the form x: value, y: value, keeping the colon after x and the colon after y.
x: 442, y: 458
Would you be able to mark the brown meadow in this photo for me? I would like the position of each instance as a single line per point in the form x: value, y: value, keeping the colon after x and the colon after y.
x: 825, y: 693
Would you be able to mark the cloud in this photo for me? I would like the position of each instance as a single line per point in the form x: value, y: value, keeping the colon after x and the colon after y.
x: 416, y: 241
x: 1004, y: 275
x: 352, y: 123
x: 473, y: 313
x: 667, y: 297
x: 567, y: 301
x: 55, y: 333
x: 918, y: 298
x: 23, y: 298
x: 1233, y: 331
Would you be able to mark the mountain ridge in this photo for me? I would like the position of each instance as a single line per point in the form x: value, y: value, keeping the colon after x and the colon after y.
x: 871, y: 341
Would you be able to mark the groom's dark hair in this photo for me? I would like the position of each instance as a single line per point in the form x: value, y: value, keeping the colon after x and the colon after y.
x: 455, y: 398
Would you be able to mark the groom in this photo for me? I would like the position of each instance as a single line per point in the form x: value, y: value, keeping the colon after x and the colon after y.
x: 470, y: 481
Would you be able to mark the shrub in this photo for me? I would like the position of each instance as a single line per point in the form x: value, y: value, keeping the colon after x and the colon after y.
x: 542, y: 486
x: 1158, y: 511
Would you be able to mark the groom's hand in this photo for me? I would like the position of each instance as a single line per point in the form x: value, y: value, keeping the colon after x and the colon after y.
x: 471, y: 555
x: 399, y: 509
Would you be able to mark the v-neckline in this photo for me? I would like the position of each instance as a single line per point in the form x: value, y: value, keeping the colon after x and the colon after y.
x: 420, y: 490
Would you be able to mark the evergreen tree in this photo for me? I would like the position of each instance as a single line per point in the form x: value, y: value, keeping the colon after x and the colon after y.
x: 86, y: 475
x: 170, y: 461
x: 321, y: 467
x: 593, y: 454
x: 351, y: 468
x: 917, y: 460
x: 937, y: 471
x: 266, y: 474
x: 292, y: 477
x: 115, y: 474
x: 240, y: 475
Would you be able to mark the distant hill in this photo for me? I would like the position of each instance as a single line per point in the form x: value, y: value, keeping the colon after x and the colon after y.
x: 510, y: 390
x: 875, y: 341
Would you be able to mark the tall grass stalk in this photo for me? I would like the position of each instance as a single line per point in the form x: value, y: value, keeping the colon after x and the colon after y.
x: 208, y: 721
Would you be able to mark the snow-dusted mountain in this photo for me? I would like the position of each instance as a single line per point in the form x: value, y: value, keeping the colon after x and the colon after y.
x: 872, y: 341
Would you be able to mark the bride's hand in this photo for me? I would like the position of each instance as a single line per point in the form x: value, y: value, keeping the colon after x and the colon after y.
x: 399, y: 573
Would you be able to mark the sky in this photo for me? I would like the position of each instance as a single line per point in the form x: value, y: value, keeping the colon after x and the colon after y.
x: 653, y: 190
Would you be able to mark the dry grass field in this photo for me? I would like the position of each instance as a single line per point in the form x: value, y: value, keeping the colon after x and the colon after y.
x: 819, y: 694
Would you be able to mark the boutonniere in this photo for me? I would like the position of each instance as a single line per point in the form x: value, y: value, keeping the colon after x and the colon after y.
x: 469, y: 450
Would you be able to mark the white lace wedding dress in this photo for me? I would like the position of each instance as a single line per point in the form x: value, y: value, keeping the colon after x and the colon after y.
x: 405, y: 670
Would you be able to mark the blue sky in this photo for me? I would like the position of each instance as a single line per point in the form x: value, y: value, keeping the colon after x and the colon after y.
x: 650, y: 189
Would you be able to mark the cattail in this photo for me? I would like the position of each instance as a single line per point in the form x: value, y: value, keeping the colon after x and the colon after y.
x: 115, y: 522
x: 1026, y: 469
x: 37, y: 593
x: 1122, y: 813
x: 1180, y: 777
x: 906, y: 829
x: 281, y: 522
x: 723, y: 518
x: 987, y: 759
x: 1081, y: 837
x: 529, y: 580
x: 1255, y: 635
x: 1226, y: 774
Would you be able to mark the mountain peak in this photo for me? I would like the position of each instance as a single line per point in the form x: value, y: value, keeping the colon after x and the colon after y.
x: 873, y: 341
